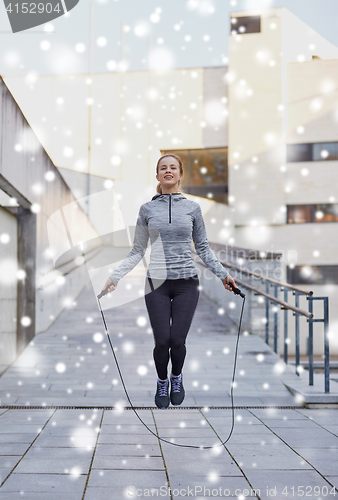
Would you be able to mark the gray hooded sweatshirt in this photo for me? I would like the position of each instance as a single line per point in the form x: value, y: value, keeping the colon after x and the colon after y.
x: 170, y: 221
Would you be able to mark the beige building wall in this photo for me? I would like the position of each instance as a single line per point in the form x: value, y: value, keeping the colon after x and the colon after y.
x: 292, y: 98
x: 113, y: 127
x: 215, y: 104
x: 261, y: 110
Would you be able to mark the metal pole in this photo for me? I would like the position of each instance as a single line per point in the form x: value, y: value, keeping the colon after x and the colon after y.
x: 310, y: 345
x: 326, y: 345
x: 297, y: 332
x: 267, y: 315
x: 285, y: 327
x: 275, y: 324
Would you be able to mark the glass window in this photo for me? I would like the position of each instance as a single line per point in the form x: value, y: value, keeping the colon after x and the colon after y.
x: 313, y: 275
x: 317, y: 151
x: 249, y: 24
x: 299, y: 152
x: 320, y: 212
x: 205, y: 172
x: 326, y: 212
x: 325, y: 151
x: 298, y: 214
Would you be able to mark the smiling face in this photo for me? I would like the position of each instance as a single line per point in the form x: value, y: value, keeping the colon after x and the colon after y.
x: 168, y: 174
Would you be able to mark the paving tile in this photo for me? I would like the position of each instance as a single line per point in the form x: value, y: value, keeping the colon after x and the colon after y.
x: 122, y: 479
x: 52, y: 465
x: 214, y: 466
x: 64, y: 430
x: 121, y: 462
x: 47, y: 441
x: 47, y: 483
x: 204, y: 485
x: 128, y: 450
x: 285, y: 480
x: 17, y: 437
x: 8, y: 461
x: 127, y: 438
x: 333, y: 480
x: 109, y: 493
x: 296, y: 439
x: 21, y: 428
x: 17, y: 449
x: 66, y: 495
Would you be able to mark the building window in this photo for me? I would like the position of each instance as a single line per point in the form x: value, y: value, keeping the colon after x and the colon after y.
x: 316, y: 151
x: 205, y: 172
x: 312, y: 275
x: 320, y: 212
x: 242, y: 25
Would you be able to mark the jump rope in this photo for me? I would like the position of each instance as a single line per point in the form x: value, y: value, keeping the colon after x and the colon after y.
x: 237, y: 291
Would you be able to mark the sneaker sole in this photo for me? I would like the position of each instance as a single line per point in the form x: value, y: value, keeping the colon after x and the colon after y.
x: 178, y: 404
x: 162, y: 407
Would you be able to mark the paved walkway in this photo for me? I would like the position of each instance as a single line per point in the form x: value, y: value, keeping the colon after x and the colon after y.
x: 98, y: 450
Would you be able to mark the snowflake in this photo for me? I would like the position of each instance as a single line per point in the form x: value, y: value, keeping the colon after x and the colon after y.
x: 60, y: 367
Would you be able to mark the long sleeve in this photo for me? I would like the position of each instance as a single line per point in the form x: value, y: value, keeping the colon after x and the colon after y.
x: 137, y: 252
x: 203, y: 250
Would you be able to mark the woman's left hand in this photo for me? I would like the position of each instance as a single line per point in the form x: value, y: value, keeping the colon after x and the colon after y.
x: 229, y: 279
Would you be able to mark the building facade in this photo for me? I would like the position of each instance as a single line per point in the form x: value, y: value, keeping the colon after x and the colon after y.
x: 259, y: 140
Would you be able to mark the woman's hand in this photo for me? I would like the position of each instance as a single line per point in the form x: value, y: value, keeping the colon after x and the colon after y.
x: 229, y: 279
x: 111, y: 287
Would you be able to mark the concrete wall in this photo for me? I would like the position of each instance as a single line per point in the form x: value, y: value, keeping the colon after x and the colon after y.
x: 8, y: 288
x: 23, y: 168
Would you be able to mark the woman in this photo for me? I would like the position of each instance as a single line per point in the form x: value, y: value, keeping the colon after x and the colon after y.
x: 170, y: 220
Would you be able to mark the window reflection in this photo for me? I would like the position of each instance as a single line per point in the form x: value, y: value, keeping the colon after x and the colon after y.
x: 320, y: 212
x: 299, y: 152
x: 312, y: 275
x: 205, y: 172
x: 318, y: 151
x: 245, y: 24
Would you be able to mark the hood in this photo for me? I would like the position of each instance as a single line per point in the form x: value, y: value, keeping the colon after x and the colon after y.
x: 175, y: 196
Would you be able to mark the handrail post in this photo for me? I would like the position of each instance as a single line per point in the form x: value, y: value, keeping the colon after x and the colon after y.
x: 297, y: 333
x: 310, y: 342
x: 275, y: 324
x: 267, y: 315
x: 326, y: 345
x: 285, y: 327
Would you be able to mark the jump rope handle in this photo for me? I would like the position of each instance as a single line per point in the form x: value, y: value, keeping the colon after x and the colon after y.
x: 104, y: 292
x: 237, y: 291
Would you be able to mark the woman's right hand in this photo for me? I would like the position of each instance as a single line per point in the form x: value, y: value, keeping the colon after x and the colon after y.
x: 111, y: 287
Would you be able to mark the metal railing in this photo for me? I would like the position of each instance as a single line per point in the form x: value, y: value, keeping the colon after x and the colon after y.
x: 297, y: 312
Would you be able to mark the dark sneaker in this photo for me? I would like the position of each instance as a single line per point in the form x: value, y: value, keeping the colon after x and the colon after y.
x: 162, y: 394
x: 177, y: 392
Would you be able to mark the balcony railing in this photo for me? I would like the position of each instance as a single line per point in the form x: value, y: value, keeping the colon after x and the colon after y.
x: 278, y: 287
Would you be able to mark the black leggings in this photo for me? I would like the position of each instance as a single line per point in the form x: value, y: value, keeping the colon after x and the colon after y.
x: 174, y: 300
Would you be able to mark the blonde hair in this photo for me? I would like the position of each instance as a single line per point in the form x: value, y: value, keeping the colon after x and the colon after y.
x: 159, y: 187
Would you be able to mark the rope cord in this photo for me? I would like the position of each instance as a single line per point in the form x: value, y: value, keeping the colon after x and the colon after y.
x: 138, y: 416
